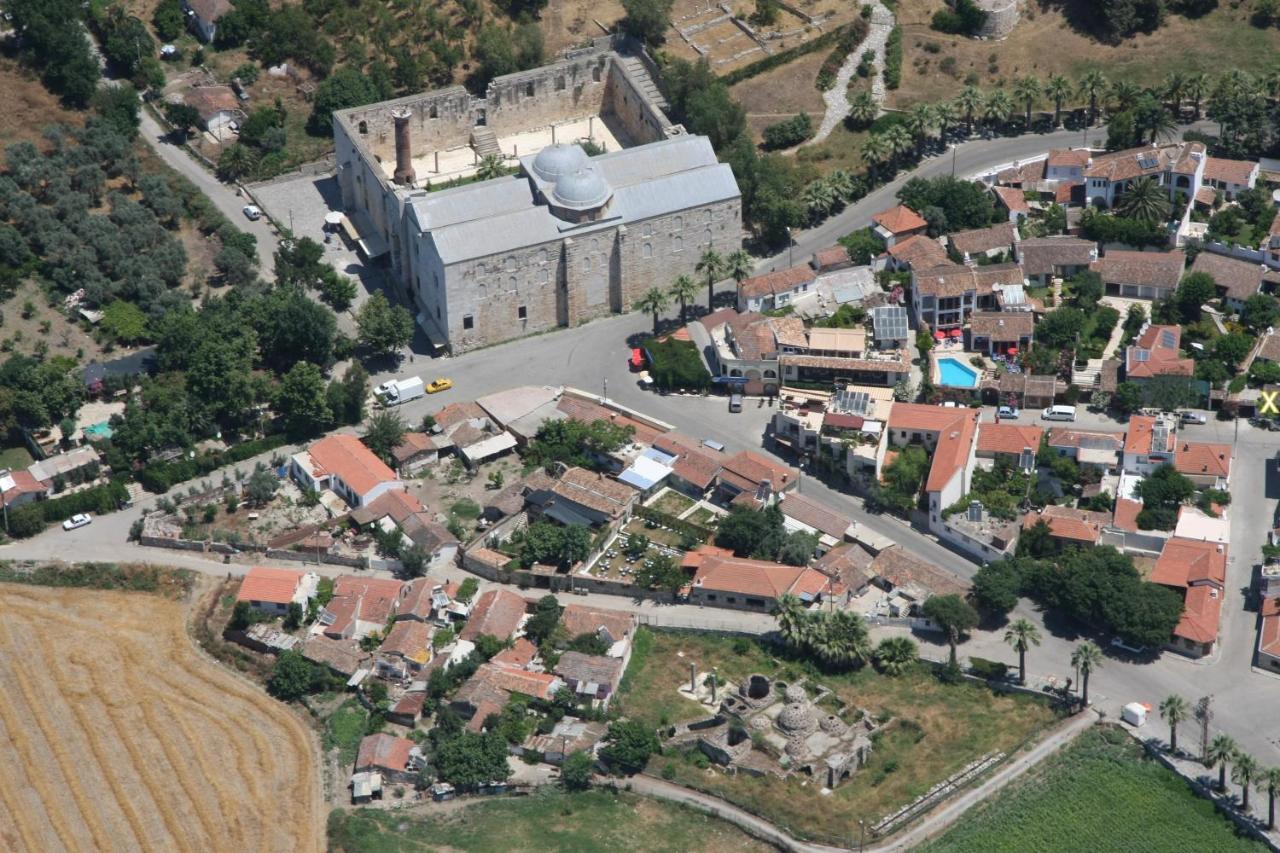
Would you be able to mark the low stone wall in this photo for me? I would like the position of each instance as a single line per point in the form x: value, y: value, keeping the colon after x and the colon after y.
x: 311, y: 557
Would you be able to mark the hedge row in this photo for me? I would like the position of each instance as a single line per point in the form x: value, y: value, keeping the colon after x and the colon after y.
x: 851, y: 35
x: 30, y: 519
x: 159, y: 477
x: 773, y: 61
x: 893, y: 59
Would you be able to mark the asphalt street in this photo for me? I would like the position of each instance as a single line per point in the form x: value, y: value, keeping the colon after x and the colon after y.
x: 593, y: 358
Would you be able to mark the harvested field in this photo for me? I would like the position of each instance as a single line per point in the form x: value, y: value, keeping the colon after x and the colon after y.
x: 120, y: 736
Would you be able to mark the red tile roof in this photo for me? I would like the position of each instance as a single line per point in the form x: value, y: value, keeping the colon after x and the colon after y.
x: 919, y: 251
x: 362, y: 599
x: 1238, y: 278
x: 956, y: 429
x: 1069, y: 157
x: 1013, y: 199
x: 773, y: 283
x: 417, y: 598
x: 760, y: 578
x: 1075, y: 525
x: 519, y: 656
x: 384, y: 752
x: 899, y: 568
x: 831, y: 257
x: 346, y: 457
x: 1229, y: 171
x: 588, y: 411
x: 579, y: 619
x: 1201, y: 614
x: 409, y: 638
x: 1123, y: 165
x: 497, y: 613
x: 1196, y: 457
x: 1126, y: 514
x: 748, y: 469
x: 272, y: 586
x: 24, y: 483
x: 1002, y: 235
x: 819, y: 516
x: 695, y: 464
x: 1156, y: 353
x: 1269, y: 634
x: 1008, y: 438
x: 899, y: 220
x: 1190, y: 562
x: 1141, y: 435
x: 538, y: 685
x: 1161, y: 270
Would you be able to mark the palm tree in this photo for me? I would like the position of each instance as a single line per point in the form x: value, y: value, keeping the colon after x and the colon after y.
x: 1058, y: 89
x: 1222, y: 749
x: 841, y: 638
x: 875, y: 151
x: 970, y: 101
x: 683, y: 290
x: 653, y: 300
x: 819, y: 199
x: 842, y: 184
x: 945, y: 115
x: 1144, y: 201
x: 738, y: 266
x: 1125, y: 93
x: 899, y: 140
x: 919, y: 122
x: 1027, y: 89
x: 712, y: 266
x: 1022, y: 635
x: 1174, y: 84
x: 1243, y: 773
x: 895, y: 655
x: 863, y: 109
x: 1092, y: 86
x: 792, y: 620
x: 1195, y: 87
x: 1269, y: 781
x: 998, y: 108
x: 1160, y: 124
x: 1086, y: 658
x: 1173, y: 710
x: 491, y: 166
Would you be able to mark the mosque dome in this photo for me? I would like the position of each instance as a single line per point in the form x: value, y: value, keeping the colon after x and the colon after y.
x: 556, y: 160
x: 796, y: 717
x: 581, y: 190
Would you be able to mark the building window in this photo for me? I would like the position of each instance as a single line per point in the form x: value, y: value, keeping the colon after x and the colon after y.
x: 468, y: 322
x: 646, y: 251
x: 679, y: 223
x: 677, y: 244
x: 595, y: 74
x: 731, y: 599
x: 437, y: 312
x: 709, y: 238
x: 522, y: 312
x: 528, y: 90
x: 434, y: 112
x: 560, y: 83
x: 364, y: 128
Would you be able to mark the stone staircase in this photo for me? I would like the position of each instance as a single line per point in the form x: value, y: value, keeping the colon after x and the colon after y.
x: 635, y: 68
x: 484, y: 142
x: 1090, y: 376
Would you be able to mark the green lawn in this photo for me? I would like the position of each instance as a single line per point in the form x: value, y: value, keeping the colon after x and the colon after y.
x: 15, y: 458
x: 344, y: 729
x: 549, y: 820
x: 940, y: 728
x: 672, y: 503
x: 1101, y: 793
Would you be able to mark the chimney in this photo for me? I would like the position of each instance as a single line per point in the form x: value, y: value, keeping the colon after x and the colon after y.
x: 404, y: 152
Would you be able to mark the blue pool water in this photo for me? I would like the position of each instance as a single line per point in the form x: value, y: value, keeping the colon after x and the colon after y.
x: 956, y: 375
x: 98, y: 431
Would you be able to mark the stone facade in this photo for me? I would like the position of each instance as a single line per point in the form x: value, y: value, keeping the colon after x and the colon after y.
x: 494, y: 260
x: 1002, y: 17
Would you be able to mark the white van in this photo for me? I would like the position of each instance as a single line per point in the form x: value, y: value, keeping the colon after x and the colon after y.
x: 1059, y: 413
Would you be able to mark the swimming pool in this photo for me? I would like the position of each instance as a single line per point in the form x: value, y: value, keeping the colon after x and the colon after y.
x: 955, y: 374
x: 98, y: 431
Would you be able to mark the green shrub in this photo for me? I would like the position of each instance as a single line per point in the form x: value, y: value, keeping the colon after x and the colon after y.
x: 789, y: 132
x: 989, y: 669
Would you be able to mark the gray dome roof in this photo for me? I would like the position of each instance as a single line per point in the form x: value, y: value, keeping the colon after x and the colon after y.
x: 795, y: 693
x: 556, y: 160
x: 796, y: 718
x: 582, y: 189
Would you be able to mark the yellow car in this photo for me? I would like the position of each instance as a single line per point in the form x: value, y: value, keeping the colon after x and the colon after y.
x: 438, y: 385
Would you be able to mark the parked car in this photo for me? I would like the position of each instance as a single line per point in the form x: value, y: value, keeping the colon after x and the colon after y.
x: 438, y: 385
x: 80, y: 519
x: 1193, y: 418
x: 1059, y: 413
x: 1118, y: 644
x: 252, y: 212
x: 1006, y: 412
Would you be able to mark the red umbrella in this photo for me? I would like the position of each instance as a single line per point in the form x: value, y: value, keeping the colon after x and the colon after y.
x: 1013, y: 350
x: 956, y: 333
x: 941, y: 336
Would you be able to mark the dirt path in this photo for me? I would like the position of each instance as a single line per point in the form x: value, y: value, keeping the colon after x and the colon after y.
x: 837, y: 97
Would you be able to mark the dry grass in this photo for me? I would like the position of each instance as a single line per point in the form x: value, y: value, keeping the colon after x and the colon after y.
x: 781, y: 93
x: 26, y: 106
x: 120, y: 736
x: 1043, y: 44
x: 565, y: 23
x: 938, y: 730
x: 64, y: 337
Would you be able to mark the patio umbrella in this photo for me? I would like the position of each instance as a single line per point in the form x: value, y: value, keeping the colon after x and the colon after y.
x: 1013, y: 350
x: 941, y: 336
x: 956, y: 333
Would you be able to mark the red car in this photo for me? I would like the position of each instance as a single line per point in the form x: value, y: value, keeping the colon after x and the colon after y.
x: 636, y: 362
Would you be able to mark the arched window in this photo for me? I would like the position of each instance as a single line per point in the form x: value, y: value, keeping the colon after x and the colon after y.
x: 646, y: 251
x: 511, y: 283
x: 679, y: 223
x: 595, y: 74
x: 677, y: 244
x: 363, y: 127
x: 708, y: 234
x: 528, y: 90
x: 434, y: 112
x: 735, y: 372
x: 769, y: 374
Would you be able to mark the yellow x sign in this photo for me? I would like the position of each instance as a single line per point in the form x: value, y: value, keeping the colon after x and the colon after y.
x: 1270, y: 406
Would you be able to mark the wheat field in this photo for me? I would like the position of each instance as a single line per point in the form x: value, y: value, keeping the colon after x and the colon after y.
x: 118, y: 735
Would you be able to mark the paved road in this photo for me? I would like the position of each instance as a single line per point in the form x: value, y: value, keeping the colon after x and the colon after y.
x: 223, y: 196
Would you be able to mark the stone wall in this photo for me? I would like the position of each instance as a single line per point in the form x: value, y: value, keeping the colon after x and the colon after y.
x: 569, y: 89
x: 1002, y: 17
x: 639, y: 117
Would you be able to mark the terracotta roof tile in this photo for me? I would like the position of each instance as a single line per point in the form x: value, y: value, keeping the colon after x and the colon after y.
x: 1201, y: 614
x: 1002, y: 235
x: 1229, y: 171
x: 1013, y: 199
x: 346, y: 457
x: 1197, y: 457
x: 273, y: 586
x: 900, y: 568
x: 1269, y: 634
x: 956, y: 429
x: 382, y: 751
x: 498, y: 613
x: 747, y: 470
x: 1076, y: 525
x: 1002, y: 325
x: 819, y: 516
x: 919, y: 251
x: 580, y: 619
x: 749, y: 577
x: 1156, y: 353
x: 1161, y: 270
x: 1188, y: 562
x: 1178, y: 157
x: 1065, y: 158
x: 410, y: 639
x: 773, y: 283
x: 899, y: 220
x: 1046, y: 255
x: 1008, y: 438
x: 835, y: 256
x: 1126, y: 514
x: 1239, y: 278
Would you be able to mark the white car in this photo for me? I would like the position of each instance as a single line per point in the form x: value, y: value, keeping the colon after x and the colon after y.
x: 80, y: 519
x: 1194, y: 418
x: 252, y: 212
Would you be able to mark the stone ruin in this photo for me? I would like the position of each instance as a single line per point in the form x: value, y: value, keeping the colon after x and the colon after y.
x: 767, y: 726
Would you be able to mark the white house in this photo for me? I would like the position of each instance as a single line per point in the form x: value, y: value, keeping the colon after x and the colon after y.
x: 1178, y: 167
x: 949, y: 435
x: 1067, y: 164
x: 344, y: 465
x: 273, y: 590
x: 1230, y: 177
x: 1149, y: 443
